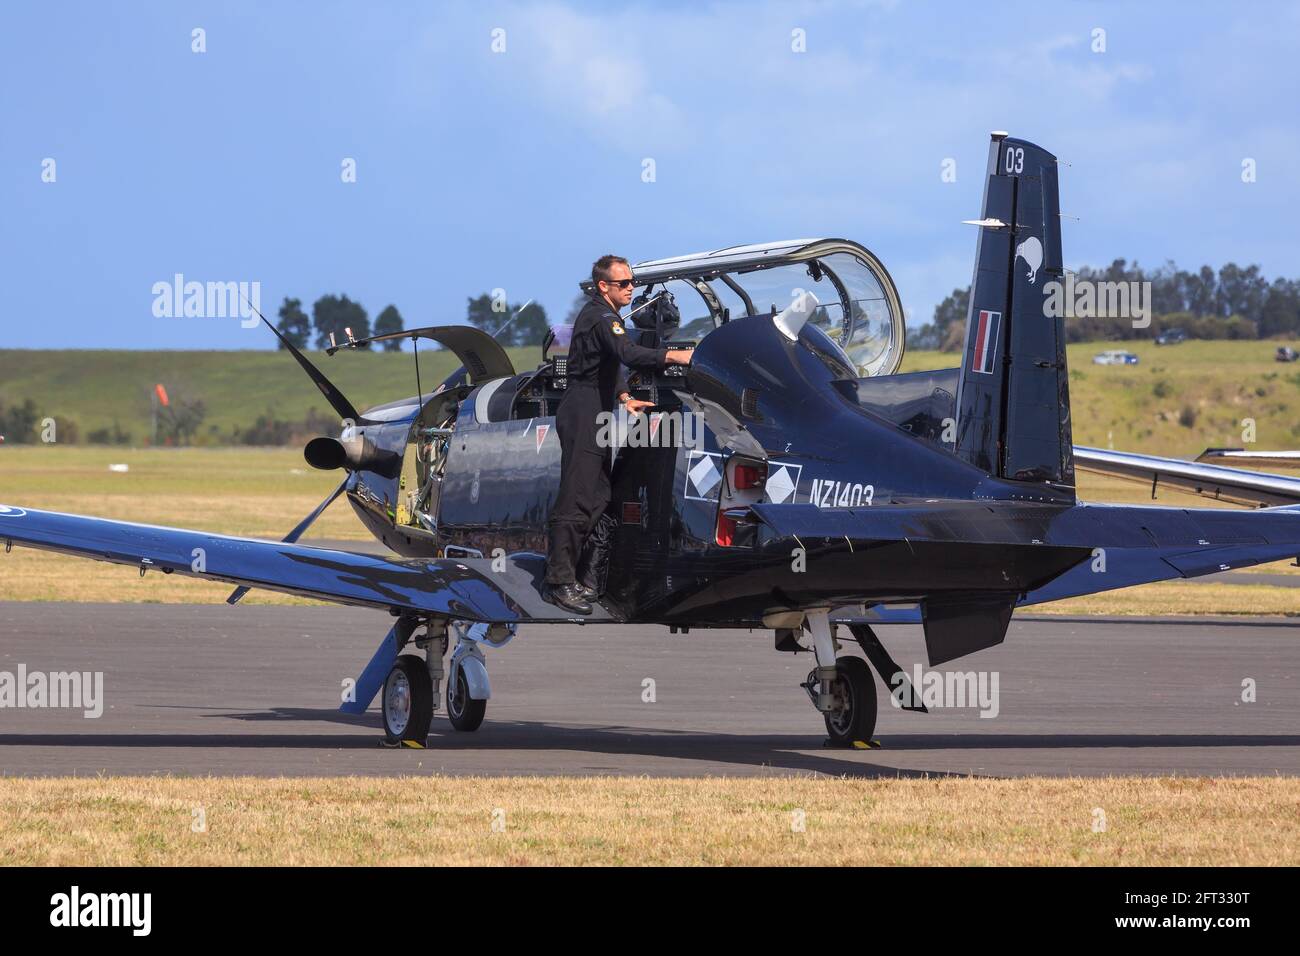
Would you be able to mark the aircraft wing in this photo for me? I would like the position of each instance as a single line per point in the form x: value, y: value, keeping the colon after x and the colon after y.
x: 465, y: 589
x: 1211, y: 481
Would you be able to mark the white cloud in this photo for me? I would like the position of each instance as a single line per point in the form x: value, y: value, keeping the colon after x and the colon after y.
x: 591, y: 69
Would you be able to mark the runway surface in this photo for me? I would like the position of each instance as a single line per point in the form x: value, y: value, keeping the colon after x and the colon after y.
x: 199, y: 690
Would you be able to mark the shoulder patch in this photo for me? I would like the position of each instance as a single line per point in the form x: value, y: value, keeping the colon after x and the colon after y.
x: 618, y: 329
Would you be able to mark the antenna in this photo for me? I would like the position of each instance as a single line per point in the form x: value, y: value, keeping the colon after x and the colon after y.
x: 415, y: 341
x: 645, y: 303
x: 502, y: 327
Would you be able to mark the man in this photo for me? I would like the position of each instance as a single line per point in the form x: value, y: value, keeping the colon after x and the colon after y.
x: 598, y: 349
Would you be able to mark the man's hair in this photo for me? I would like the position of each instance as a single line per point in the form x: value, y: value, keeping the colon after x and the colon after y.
x: 600, y: 268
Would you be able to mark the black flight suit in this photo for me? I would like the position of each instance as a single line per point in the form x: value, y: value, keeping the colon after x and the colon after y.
x: 598, y: 349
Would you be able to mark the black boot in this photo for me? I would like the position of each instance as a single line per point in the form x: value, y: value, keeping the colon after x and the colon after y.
x: 594, y: 566
x: 568, y: 596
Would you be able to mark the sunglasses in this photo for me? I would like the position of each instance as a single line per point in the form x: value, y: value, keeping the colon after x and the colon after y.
x: 621, y: 283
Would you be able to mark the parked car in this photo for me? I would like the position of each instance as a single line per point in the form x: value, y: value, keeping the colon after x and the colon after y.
x: 1115, y: 357
x: 1171, y: 337
x: 1286, y: 354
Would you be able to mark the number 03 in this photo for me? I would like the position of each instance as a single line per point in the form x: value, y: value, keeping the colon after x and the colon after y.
x: 1016, y: 159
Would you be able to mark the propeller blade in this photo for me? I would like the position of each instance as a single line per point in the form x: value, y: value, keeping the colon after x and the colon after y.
x: 338, y: 401
x: 237, y: 595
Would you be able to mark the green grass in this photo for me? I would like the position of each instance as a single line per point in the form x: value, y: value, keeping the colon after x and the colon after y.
x: 1141, y: 407
x: 97, y: 388
x: 1178, y: 401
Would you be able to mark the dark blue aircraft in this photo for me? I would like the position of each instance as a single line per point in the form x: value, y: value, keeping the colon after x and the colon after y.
x: 788, y: 479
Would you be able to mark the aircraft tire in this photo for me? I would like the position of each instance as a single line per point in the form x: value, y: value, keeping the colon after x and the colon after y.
x: 407, y: 701
x: 463, y: 711
x: 857, y: 722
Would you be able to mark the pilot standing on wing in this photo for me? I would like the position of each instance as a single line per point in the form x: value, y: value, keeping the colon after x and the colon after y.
x: 598, y: 349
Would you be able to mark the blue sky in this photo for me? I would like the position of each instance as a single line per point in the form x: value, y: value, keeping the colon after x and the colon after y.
x: 479, y: 170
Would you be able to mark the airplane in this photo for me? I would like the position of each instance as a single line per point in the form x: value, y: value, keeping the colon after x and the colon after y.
x: 806, y: 487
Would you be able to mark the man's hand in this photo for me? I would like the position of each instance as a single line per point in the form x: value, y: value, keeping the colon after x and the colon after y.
x: 679, y: 356
x: 635, y: 406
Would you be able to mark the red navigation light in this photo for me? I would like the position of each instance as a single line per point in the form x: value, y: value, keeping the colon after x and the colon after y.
x: 726, y: 530
x: 749, y: 476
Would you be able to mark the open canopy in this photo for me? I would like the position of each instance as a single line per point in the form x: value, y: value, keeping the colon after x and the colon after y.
x: 482, y: 356
x: 860, y: 308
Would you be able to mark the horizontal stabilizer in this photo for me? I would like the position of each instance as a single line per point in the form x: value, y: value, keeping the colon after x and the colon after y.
x: 1239, y: 456
x: 1082, y: 526
x: 1210, y: 481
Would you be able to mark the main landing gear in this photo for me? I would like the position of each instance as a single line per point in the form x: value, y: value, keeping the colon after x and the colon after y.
x: 408, y: 701
x: 411, y: 691
x: 852, y: 718
x: 843, y: 689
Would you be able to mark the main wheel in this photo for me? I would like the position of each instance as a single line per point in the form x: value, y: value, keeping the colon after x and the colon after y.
x: 408, y: 700
x: 465, y: 712
x: 854, y: 717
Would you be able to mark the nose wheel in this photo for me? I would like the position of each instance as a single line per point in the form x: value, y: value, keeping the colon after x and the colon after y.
x: 464, y: 712
x: 407, y: 702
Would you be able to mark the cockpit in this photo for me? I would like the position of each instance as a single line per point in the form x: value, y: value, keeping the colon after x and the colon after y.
x: 683, y: 299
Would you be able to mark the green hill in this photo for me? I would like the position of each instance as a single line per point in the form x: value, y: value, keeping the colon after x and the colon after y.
x: 1177, y: 401
x: 95, y: 389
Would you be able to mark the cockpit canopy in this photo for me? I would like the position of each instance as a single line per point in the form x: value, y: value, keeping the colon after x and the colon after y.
x: 860, y: 310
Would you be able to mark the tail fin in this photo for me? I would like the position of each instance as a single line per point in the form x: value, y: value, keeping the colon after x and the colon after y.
x: 1013, y: 401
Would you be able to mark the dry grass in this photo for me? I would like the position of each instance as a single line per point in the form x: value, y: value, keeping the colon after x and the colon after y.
x: 27, y: 575
x: 638, y: 821
x: 246, y: 491
x: 1168, y: 598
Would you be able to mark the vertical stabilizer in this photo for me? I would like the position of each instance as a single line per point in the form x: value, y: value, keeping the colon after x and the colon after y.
x: 1013, y: 402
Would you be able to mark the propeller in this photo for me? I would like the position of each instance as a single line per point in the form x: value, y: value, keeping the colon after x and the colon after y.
x: 238, y: 594
x: 339, y: 402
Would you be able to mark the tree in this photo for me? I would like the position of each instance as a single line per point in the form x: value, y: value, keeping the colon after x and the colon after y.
x: 294, y: 324
x: 1201, y: 292
x: 949, y: 324
x: 530, y: 327
x: 1167, y: 290
x: 1281, y: 312
x: 180, y: 420
x: 109, y: 436
x: 490, y: 313
x: 333, y: 313
x: 388, y: 322
x: 1241, y: 291
x: 18, y: 423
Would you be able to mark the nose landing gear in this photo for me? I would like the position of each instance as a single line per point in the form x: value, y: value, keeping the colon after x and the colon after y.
x: 464, y: 712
